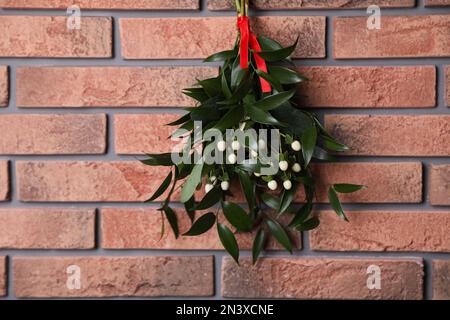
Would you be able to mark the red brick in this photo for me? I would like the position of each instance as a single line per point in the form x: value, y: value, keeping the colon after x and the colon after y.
x: 399, y: 37
x: 47, y: 228
x: 150, y: 276
x: 103, y: 4
x: 437, y: 3
x: 138, y: 228
x: 53, y: 134
x: 2, y: 276
x: 48, y: 36
x: 321, y: 278
x: 195, y: 38
x: 57, y: 87
x: 448, y: 85
x: 4, y: 180
x: 441, y: 280
x: 143, y: 133
x: 389, y: 182
x: 311, y: 4
x: 439, y: 190
x: 4, y: 86
x: 87, y: 181
x: 369, y: 87
x: 401, y: 231
x: 367, y: 135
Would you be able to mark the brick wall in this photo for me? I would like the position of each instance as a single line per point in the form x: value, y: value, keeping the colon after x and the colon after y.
x: 77, y: 106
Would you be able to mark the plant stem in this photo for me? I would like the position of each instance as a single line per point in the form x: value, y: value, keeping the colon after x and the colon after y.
x: 238, y: 7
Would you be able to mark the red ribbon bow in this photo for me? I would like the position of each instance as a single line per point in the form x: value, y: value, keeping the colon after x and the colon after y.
x: 249, y: 40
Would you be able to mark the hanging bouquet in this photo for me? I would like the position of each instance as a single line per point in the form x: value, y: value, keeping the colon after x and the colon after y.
x: 247, y: 130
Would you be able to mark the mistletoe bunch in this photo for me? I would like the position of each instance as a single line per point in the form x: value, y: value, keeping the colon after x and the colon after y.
x: 255, y: 90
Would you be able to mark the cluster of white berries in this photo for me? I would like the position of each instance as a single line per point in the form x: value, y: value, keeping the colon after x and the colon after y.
x: 224, y: 185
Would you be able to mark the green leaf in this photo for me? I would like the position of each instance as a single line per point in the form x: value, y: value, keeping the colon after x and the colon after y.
x: 212, y: 86
x: 296, y: 120
x: 210, y: 199
x: 280, y: 54
x: 192, y: 182
x: 180, y: 121
x: 162, y: 159
x: 249, y: 189
x: 286, y: 200
x: 308, y: 224
x: 202, y: 225
x: 271, y: 201
x: 237, y: 74
x: 275, y: 100
x: 301, y: 215
x: 309, y: 139
x: 285, y: 75
x: 228, y: 241
x: 322, y: 154
x: 172, y: 218
x: 333, y: 145
x: 237, y: 216
x: 196, y: 93
x: 274, y: 82
x: 262, y: 116
x: 190, y: 208
x: 205, y: 114
x: 258, y: 244
x: 348, y: 188
x: 220, y: 56
x: 268, y: 44
x: 163, y: 187
x: 336, y: 204
x: 225, y: 89
x: 230, y: 119
x: 279, y: 234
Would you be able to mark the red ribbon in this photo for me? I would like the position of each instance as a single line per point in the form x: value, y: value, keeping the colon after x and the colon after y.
x: 249, y: 40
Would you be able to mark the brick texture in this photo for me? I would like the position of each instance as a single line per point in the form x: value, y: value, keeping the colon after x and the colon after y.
x: 352, y: 38
x: 441, y: 280
x: 87, y: 181
x: 369, y: 87
x: 45, y: 36
x: 107, y: 86
x: 321, y: 278
x: 103, y: 4
x: 439, y: 190
x: 311, y: 4
x: 144, y: 133
x: 4, y: 86
x: 401, y: 231
x: 47, y: 228
x: 114, y: 276
x: 4, y: 181
x: 53, y: 134
x: 419, y: 135
x: 448, y: 85
x: 2, y: 276
x: 138, y: 228
x: 195, y: 38
x: 437, y: 3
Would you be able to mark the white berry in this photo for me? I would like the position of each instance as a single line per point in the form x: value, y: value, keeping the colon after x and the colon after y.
x: 235, y: 145
x: 232, y: 159
x: 296, y: 146
x: 221, y: 146
x: 287, y: 184
x: 254, y: 153
x: 225, y: 185
x: 273, y: 185
x: 257, y: 174
x: 261, y: 144
x: 208, y: 187
x: 296, y: 167
x: 284, y: 165
x: 212, y: 178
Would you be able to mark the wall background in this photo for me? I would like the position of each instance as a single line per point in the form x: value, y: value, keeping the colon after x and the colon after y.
x: 72, y: 187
